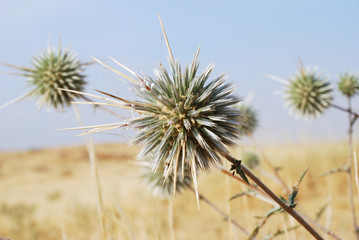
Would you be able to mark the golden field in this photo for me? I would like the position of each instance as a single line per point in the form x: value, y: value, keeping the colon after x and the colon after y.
x: 50, y: 194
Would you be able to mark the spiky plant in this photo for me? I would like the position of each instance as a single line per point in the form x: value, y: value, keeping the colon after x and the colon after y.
x: 348, y: 84
x: 250, y: 159
x: 185, y: 118
x: 249, y: 120
x: 190, y: 119
x: 51, y: 71
x: 307, y: 93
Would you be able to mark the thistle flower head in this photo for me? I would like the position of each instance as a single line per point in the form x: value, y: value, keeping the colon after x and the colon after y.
x: 249, y: 120
x: 348, y: 85
x: 188, y: 118
x: 51, y: 71
x: 307, y: 93
x: 250, y: 159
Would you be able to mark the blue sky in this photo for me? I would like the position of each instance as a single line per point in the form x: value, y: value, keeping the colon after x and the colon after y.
x: 245, y: 39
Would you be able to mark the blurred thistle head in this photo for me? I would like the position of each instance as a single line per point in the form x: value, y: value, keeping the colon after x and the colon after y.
x: 51, y: 71
x: 348, y: 84
x: 249, y: 120
x: 250, y: 159
x: 307, y: 93
x: 165, y: 187
x: 185, y: 118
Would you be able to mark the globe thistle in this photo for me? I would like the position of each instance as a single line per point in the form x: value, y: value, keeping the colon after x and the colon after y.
x: 307, y: 93
x: 250, y: 159
x: 190, y: 119
x: 51, y: 71
x: 249, y: 121
x: 185, y: 118
x: 348, y: 85
x: 165, y: 187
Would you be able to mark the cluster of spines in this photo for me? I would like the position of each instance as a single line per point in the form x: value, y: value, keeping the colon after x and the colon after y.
x: 308, y: 94
x: 52, y: 71
x: 348, y: 84
x: 249, y: 120
x: 184, y: 113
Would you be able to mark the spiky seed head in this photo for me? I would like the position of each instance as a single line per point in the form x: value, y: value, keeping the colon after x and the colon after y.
x: 348, y: 84
x: 164, y: 187
x: 307, y: 93
x: 52, y: 70
x: 250, y: 159
x: 187, y: 119
x: 249, y: 120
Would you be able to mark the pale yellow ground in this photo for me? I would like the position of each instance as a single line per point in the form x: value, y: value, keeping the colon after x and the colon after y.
x: 50, y: 194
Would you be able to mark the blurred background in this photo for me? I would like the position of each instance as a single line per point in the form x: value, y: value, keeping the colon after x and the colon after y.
x: 244, y: 39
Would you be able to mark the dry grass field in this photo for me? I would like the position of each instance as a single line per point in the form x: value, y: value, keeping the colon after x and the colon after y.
x: 50, y: 194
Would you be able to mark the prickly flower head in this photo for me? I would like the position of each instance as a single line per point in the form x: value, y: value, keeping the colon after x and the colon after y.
x: 187, y: 119
x: 54, y: 70
x: 250, y: 159
x: 349, y: 85
x: 249, y: 121
x: 307, y: 93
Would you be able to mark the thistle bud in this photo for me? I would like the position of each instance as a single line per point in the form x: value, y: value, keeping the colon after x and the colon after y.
x: 308, y: 94
x: 348, y: 85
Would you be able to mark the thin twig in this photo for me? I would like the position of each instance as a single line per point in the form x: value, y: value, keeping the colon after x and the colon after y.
x: 344, y: 169
x: 229, y: 211
x: 349, y: 173
x: 356, y: 172
x: 347, y: 110
x: 262, y: 222
x: 95, y: 174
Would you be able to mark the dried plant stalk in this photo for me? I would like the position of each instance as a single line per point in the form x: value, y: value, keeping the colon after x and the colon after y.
x: 94, y: 170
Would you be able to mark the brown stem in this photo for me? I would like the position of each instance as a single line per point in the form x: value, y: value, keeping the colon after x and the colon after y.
x: 347, y: 110
x: 225, y: 216
x: 324, y: 229
x: 288, y: 209
x: 349, y: 175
